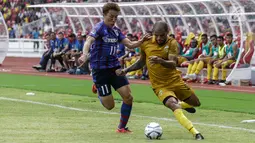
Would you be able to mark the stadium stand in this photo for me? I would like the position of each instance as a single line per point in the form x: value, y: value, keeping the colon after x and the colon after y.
x: 23, y: 21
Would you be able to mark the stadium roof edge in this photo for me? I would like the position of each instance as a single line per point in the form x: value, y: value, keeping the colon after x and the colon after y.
x: 123, y: 4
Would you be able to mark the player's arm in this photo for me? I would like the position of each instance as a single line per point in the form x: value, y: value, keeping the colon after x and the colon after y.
x: 234, y: 53
x: 193, y: 55
x: 66, y: 47
x: 135, y: 44
x: 210, y: 50
x: 171, y: 61
x: 86, y: 47
x: 138, y: 64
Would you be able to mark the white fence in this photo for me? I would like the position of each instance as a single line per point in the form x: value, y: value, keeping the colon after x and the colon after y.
x: 25, y: 48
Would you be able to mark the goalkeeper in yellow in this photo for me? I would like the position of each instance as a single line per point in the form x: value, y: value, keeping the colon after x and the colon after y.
x: 160, y: 56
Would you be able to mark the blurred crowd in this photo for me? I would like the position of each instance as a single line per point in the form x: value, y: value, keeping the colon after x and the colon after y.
x: 21, y: 20
x: 196, y: 52
x: 65, y: 36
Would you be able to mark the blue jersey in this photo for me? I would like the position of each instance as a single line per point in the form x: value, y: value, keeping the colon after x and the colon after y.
x: 121, y: 50
x: 104, y: 49
x: 53, y: 44
x: 62, y: 43
x: 71, y: 44
x: 79, y: 45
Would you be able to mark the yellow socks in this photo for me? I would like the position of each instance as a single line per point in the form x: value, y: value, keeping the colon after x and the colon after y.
x: 200, y: 66
x: 194, y: 67
x: 189, y: 69
x: 209, y: 71
x: 185, y: 105
x: 184, y: 121
x: 215, y: 73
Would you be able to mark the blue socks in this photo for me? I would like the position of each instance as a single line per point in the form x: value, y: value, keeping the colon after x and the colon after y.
x: 125, y: 113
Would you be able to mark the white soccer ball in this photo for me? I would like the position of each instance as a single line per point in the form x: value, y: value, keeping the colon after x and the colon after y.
x: 153, y: 131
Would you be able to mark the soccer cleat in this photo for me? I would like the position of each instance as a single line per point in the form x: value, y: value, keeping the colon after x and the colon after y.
x: 190, y: 110
x: 199, y: 137
x: 186, y: 77
x: 123, y: 130
x: 94, y: 89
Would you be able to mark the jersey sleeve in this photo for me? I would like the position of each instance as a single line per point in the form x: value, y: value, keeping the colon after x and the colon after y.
x: 121, y: 36
x: 173, y: 49
x: 96, y: 31
x: 142, y: 47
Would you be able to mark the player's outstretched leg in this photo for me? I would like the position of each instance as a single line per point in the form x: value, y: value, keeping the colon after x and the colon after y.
x: 187, y: 107
x: 172, y: 103
x: 94, y: 89
x: 126, y: 108
x: 105, y: 95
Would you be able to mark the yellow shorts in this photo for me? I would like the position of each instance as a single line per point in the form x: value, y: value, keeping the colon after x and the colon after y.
x: 181, y: 92
x: 227, y: 63
x: 181, y: 60
x: 207, y: 59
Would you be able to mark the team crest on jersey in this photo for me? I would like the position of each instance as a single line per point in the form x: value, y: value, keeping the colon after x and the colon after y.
x: 93, y: 31
x: 116, y: 32
x: 160, y: 92
x: 166, y: 48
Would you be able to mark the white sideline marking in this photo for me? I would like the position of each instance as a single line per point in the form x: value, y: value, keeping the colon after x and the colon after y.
x: 248, y: 121
x: 115, y: 113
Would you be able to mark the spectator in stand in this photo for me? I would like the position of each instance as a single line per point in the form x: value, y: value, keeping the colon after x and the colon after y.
x: 204, y: 58
x: 231, y: 56
x: 189, y: 55
x: 36, y: 35
x: 67, y: 56
x: 219, y: 54
x: 59, y: 51
x: 12, y: 34
x: 46, y: 55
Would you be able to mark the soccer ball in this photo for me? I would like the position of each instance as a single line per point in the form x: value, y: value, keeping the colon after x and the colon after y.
x: 153, y: 131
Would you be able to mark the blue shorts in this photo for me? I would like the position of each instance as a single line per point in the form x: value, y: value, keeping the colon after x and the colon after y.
x: 105, y: 78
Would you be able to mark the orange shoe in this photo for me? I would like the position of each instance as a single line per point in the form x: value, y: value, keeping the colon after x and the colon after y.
x: 123, y: 130
x: 94, y: 89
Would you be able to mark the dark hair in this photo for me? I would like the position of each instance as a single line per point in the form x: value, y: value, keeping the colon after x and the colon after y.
x: 61, y: 33
x: 195, y: 40
x: 230, y: 35
x: 213, y: 36
x: 72, y: 35
x: 84, y: 36
x: 221, y: 37
x: 129, y: 34
x: 172, y: 35
x: 110, y: 6
x: 160, y: 24
x: 204, y: 35
x: 136, y: 37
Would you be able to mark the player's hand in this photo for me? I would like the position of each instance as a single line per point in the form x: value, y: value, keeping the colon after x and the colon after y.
x: 155, y: 60
x: 120, y: 72
x: 146, y: 37
x: 83, y: 58
x: 218, y: 65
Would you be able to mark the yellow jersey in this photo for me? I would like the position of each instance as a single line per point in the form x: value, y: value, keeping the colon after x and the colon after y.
x: 161, y: 76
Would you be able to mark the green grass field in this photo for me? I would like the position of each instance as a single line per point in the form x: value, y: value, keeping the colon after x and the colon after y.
x: 65, y: 110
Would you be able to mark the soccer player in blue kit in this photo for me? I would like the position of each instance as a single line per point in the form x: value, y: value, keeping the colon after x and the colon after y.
x: 103, y: 43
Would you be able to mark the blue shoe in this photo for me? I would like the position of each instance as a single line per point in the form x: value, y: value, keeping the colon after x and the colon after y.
x: 72, y: 71
x: 78, y: 71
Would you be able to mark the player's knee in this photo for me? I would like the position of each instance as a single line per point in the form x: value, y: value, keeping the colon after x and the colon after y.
x: 171, y: 103
x: 109, y: 107
x: 198, y: 103
x: 128, y: 99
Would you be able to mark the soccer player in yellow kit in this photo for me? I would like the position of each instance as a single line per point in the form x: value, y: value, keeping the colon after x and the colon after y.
x: 160, y: 56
